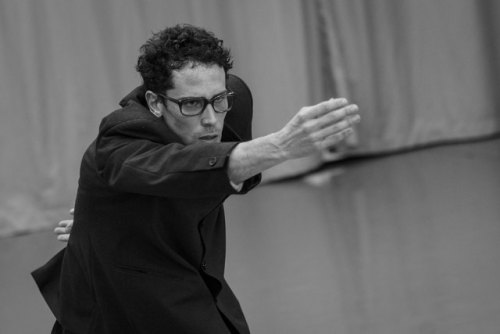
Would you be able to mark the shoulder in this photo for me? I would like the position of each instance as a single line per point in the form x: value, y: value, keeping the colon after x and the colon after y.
x: 236, y: 84
x: 239, y: 120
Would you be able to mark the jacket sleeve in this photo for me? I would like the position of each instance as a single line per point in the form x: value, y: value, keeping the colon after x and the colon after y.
x: 130, y: 160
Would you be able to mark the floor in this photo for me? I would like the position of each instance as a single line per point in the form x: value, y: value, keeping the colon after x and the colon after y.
x: 403, y: 244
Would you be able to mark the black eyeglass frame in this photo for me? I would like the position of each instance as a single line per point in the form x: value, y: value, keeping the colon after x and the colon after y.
x: 179, y: 102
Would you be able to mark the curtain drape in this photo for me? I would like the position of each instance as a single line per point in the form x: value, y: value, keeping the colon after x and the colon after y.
x: 422, y: 71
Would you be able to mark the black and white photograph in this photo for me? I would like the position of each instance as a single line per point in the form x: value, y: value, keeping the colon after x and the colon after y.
x: 259, y: 166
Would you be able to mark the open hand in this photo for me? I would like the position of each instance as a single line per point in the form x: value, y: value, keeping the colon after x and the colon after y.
x: 319, y: 127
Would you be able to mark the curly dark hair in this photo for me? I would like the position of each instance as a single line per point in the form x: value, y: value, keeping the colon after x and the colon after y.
x: 175, y: 47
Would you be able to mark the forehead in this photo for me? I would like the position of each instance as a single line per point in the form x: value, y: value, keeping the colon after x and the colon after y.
x: 198, y: 80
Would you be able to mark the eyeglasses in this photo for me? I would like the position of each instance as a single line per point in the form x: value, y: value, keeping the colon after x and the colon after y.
x: 193, y: 106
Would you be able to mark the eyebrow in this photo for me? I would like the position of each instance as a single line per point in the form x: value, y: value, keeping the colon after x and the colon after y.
x: 197, y: 97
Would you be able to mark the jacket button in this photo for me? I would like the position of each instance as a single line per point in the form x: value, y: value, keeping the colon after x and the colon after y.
x: 204, y: 266
x: 212, y: 161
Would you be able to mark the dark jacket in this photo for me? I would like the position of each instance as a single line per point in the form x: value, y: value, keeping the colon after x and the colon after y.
x: 147, y: 249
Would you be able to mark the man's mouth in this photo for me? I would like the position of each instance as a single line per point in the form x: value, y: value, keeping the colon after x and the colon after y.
x: 209, y: 137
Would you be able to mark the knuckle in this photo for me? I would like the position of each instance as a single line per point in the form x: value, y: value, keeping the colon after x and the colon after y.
x: 336, y: 127
x: 338, y: 103
x: 302, y: 115
x: 344, y: 124
x: 308, y: 128
x: 353, y: 107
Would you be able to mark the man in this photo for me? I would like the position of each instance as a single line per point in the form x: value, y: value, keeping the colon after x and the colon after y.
x: 147, y: 248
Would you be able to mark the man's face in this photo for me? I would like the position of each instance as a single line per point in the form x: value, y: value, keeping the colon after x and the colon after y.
x: 199, y: 81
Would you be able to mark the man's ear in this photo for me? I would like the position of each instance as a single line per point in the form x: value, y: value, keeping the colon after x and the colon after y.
x: 154, y: 103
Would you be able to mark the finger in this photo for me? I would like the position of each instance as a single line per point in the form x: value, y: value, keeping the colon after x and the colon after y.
x: 324, y: 107
x: 72, y: 211
x: 64, y: 226
x: 349, y: 113
x: 63, y: 237
x: 60, y: 230
x: 336, y: 138
x: 65, y: 223
x: 331, y: 129
x: 334, y: 128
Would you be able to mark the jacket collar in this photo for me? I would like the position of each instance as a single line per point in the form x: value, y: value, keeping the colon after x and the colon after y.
x: 137, y: 95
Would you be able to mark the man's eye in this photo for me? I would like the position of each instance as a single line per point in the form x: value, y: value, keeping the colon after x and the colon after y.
x: 220, y: 99
x: 193, y: 103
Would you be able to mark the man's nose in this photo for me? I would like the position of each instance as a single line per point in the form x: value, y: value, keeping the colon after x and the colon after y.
x: 208, y: 116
